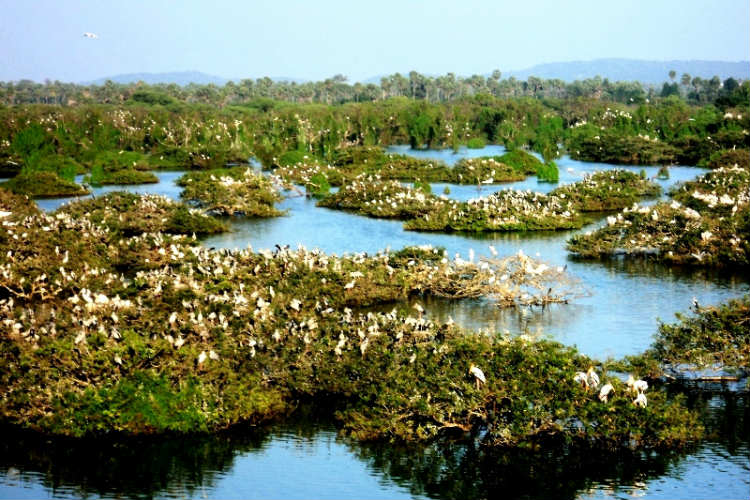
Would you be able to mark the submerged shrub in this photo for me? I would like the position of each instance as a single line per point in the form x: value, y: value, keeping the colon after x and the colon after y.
x: 521, y: 160
x: 706, y: 224
x: 236, y: 191
x: 607, y: 190
x: 125, y: 176
x: 318, y: 186
x: 476, y: 143
x: 712, y: 335
x: 486, y: 170
x: 130, y: 214
x: 42, y: 184
x: 663, y: 173
x: 728, y: 158
x: 380, y: 199
x: 548, y: 172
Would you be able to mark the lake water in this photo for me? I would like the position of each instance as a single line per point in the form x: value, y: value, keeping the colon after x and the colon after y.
x: 618, y: 316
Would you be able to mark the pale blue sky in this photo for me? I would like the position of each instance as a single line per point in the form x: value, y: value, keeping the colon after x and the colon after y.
x: 316, y: 39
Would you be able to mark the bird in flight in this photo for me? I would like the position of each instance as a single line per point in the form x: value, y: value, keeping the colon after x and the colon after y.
x: 90, y: 35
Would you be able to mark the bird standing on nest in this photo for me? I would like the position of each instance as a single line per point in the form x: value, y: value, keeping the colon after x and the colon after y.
x: 478, y: 374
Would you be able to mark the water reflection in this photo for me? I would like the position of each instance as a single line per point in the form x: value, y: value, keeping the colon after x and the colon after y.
x: 305, y: 458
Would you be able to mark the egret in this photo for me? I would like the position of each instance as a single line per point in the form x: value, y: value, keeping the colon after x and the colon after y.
x: 604, y: 393
x: 581, y: 378
x: 88, y: 34
x: 636, y: 385
x: 202, y: 357
x: 640, y: 400
x: 593, y: 378
x: 478, y: 374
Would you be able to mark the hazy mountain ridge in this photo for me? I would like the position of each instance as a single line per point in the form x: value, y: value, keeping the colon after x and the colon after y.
x: 648, y: 72
x: 633, y: 69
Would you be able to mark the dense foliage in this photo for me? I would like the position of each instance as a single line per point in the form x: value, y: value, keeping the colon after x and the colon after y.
x: 706, y: 224
x: 712, y: 335
x: 236, y: 191
x: 505, y: 210
x: 43, y: 185
x: 130, y: 214
x: 263, y: 92
x: 109, y: 138
x: 191, y: 339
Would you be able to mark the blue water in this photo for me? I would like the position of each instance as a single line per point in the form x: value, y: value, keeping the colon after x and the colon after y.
x: 618, y: 315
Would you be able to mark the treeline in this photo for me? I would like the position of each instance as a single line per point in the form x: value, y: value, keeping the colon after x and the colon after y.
x: 180, y: 135
x: 336, y: 90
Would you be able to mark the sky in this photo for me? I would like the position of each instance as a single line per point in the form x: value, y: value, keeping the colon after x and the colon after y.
x: 316, y: 39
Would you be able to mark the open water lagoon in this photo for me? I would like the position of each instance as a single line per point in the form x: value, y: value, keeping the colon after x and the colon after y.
x: 616, y: 314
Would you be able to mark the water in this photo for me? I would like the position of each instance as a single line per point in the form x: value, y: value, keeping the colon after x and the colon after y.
x: 305, y: 458
x: 618, y: 316
x: 166, y: 187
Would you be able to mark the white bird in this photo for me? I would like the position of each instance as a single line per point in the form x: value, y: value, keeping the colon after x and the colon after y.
x: 604, y: 393
x: 349, y: 285
x: 640, y: 400
x: 493, y: 251
x: 90, y: 35
x: 636, y: 385
x: 213, y: 355
x: 593, y: 378
x: 581, y: 378
x: 478, y: 374
x: 202, y: 357
x: 418, y: 308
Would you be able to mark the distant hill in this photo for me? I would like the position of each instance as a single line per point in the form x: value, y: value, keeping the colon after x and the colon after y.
x: 178, y: 77
x: 181, y: 78
x: 633, y: 69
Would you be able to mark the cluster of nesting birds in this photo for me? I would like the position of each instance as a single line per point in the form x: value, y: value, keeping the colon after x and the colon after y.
x: 590, y: 379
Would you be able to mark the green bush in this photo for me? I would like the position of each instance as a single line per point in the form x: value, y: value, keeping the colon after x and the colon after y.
x: 318, y: 187
x: 128, y: 176
x: 293, y: 157
x: 476, y: 143
x: 425, y: 187
x: 43, y: 185
x: 548, y: 172
x: 521, y: 161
